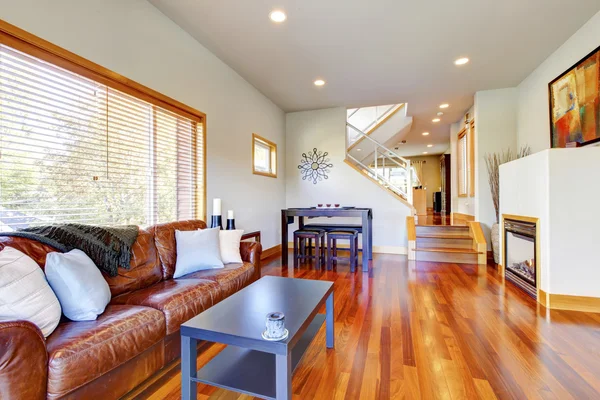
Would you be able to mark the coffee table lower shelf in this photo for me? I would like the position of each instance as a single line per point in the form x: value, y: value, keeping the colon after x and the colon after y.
x: 252, y: 372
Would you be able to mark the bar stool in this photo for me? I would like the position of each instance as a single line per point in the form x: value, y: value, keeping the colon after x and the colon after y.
x: 332, y: 238
x: 300, y: 249
x: 310, y: 241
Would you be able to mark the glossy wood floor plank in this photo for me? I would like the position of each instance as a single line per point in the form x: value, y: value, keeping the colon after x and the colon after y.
x: 426, y: 330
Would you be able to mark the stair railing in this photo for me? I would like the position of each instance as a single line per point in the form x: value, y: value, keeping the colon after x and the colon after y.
x: 382, y: 164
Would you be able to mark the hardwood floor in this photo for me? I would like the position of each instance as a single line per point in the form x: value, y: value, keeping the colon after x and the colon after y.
x: 424, y: 330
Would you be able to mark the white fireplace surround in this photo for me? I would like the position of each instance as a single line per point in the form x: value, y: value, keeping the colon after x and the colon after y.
x: 561, y: 187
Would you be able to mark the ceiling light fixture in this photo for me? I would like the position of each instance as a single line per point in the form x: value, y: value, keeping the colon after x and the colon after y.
x: 425, y: 133
x: 436, y: 120
x: 445, y: 105
x: 425, y: 152
x: 429, y: 145
x: 277, y: 16
x: 319, y: 82
x: 358, y: 149
x: 440, y: 114
x: 461, y: 61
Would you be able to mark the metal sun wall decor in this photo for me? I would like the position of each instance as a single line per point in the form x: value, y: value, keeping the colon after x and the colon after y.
x: 315, y: 166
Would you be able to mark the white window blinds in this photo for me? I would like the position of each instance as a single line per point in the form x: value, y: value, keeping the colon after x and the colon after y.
x: 74, y: 150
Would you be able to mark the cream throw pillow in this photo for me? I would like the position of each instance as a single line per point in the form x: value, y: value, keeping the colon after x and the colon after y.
x: 24, y: 292
x: 230, y: 246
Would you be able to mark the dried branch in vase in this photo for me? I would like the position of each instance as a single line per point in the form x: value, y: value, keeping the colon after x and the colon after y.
x: 493, y: 162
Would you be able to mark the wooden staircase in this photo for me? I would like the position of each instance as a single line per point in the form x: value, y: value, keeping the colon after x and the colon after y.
x: 461, y: 244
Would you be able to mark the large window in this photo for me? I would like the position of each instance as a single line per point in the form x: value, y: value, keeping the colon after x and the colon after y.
x: 264, y: 156
x: 465, y: 162
x: 77, y: 150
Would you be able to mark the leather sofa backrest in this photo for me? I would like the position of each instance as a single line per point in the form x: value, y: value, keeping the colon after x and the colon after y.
x: 144, y: 269
x: 164, y: 236
x: 34, y: 249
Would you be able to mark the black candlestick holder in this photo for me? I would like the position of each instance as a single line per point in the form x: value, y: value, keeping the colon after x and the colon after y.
x: 230, y: 224
x: 216, y: 221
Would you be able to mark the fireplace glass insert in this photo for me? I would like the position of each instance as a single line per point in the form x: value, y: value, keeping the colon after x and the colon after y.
x: 520, y: 255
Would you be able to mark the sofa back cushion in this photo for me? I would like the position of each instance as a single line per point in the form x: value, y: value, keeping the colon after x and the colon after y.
x: 164, y: 236
x: 144, y: 268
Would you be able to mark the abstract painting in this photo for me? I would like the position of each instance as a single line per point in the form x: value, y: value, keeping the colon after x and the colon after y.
x: 575, y: 103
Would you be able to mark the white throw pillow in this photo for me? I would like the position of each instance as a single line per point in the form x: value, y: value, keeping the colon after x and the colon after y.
x: 78, y: 283
x: 24, y: 292
x: 230, y: 246
x: 197, y: 250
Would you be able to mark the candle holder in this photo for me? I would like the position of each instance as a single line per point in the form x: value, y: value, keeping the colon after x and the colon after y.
x: 230, y: 225
x: 216, y: 221
x: 275, y: 327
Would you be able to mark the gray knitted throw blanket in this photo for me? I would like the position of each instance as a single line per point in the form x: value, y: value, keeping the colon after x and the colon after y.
x: 108, y: 246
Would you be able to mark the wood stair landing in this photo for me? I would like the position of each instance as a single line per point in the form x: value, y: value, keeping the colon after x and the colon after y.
x: 445, y: 243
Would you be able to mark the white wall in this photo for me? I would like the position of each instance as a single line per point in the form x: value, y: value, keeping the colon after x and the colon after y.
x: 134, y: 39
x: 557, y: 187
x: 574, y: 221
x: 533, y: 115
x: 495, y: 131
x: 325, y: 130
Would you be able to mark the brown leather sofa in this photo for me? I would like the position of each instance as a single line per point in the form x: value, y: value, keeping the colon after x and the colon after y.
x: 138, y: 333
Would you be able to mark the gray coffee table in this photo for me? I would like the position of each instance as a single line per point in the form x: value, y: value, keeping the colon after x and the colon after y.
x: 250, y: 364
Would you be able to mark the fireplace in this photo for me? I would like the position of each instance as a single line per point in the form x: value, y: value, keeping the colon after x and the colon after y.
x: 520, y: 254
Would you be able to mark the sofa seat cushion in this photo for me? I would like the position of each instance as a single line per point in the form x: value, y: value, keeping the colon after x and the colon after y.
x: 79, y: 352
x: 231, y: 279
x: 179, y: 300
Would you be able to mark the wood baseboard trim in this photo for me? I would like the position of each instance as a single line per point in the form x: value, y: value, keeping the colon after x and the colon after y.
x: 462, y: 217
x: 270, y: 252
x: 569, y: 303
x: 376, y: 249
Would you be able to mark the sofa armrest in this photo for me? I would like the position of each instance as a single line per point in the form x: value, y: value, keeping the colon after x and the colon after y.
x: 23, y: 361
x: 251, y: 252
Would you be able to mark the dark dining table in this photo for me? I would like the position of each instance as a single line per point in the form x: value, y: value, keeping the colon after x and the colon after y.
x: 365, y: 214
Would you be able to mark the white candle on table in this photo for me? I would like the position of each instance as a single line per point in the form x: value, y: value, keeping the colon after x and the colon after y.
x: 230, y: 214
x: 216, y: 206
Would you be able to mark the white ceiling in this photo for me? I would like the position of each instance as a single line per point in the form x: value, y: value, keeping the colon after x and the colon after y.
x: 373, y: 52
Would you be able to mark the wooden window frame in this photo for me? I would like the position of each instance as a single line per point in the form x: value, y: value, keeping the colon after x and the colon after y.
x: 35, y: 46
x: 273, y: 154
x: 467, y: 132
x: 471, y: 150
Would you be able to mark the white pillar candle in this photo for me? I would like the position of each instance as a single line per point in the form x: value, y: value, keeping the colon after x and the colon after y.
x: 216, y: 207
x: 230, y: 214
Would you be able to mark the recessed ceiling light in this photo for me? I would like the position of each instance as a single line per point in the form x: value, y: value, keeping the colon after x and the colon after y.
x: 425, y: 152
x: 440, y: 114
x: 358, y: 149
x: 425, y: 133
x: 461, y: 61
x: 277, y: 16
x: 445, y: 105
x: 436, y: 120
x: 429, y: 145
x: 319, y: 82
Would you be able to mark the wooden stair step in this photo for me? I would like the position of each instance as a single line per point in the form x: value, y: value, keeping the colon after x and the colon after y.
x: 442, y: 236
x: 446, y: 250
